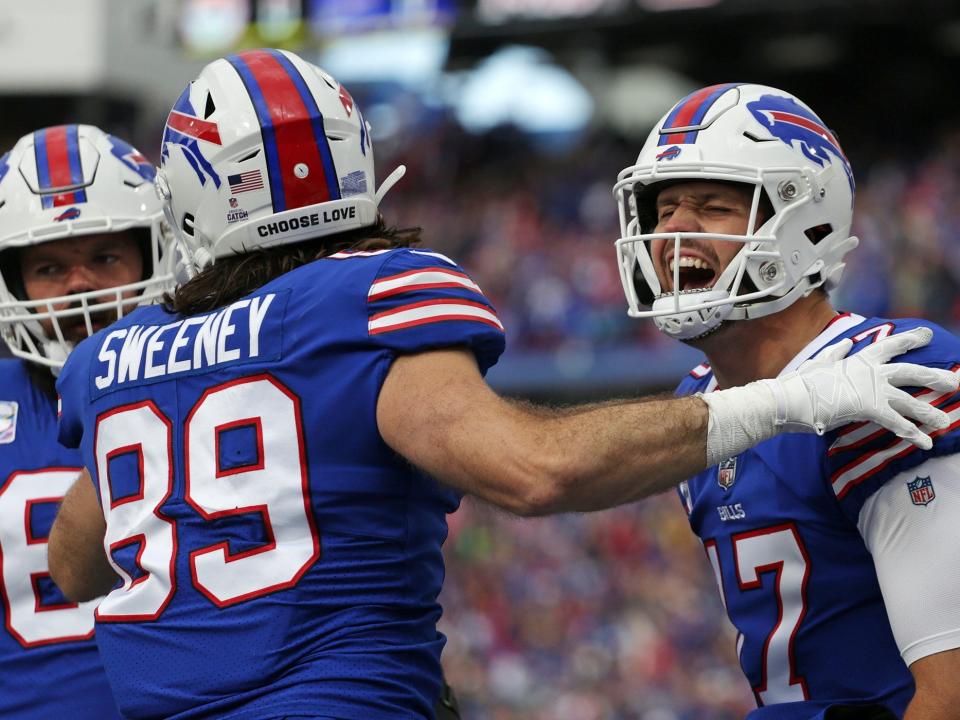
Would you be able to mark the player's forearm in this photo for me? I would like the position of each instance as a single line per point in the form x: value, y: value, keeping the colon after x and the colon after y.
x: 435, y: 410
x: 75, y: 554
x: 604, y: 456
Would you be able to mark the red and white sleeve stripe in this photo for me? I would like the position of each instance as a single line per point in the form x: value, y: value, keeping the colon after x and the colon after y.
x: 431, y: 311
x: 870, y: 463
x: 421, y: 279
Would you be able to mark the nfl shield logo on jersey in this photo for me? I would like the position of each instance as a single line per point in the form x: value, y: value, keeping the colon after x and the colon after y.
x: 727, y: 473
x: 921, y: 490
x: 8, y: 421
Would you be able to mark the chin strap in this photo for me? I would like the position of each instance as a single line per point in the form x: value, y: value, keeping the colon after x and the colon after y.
x: 391, y: 180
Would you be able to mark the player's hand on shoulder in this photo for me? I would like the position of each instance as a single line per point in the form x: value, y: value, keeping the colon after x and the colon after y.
x: 833, y: 389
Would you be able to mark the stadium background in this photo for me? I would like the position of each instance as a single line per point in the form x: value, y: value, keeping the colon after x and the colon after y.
x: 514, y: 117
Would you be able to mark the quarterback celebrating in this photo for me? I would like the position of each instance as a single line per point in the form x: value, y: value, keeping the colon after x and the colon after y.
x: 735, y: 221
x: 250, y: 443
x: 80, y: 244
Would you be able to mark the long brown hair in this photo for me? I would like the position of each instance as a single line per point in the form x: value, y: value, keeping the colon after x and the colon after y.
x: 231, y: 278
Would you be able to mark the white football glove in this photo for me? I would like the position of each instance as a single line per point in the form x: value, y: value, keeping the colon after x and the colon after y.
x: 829, y: 391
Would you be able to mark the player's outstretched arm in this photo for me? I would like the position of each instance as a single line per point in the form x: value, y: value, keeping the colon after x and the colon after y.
x: 75, y: 553
x: 436, y: 410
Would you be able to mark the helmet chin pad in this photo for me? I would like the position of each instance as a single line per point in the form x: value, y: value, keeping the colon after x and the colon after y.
x: 685, y: 323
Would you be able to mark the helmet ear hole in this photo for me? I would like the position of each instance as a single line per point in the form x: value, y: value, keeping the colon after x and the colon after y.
x: 187, y: 224
x: 818, y: 232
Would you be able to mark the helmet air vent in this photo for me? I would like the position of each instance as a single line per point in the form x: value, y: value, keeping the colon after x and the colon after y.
x: 187, y: 224
x: 210, y: 108
x: 249, y: 156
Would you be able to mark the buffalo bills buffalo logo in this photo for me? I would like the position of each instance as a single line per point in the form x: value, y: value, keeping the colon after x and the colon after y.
x: 799, y: 128
x: 132, y: 158
x: 68, y: 214
x: 184, y: 128
x: 670, y: 153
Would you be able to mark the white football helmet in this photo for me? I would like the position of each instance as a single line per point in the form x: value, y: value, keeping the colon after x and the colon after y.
x: 265, y: 149
x: 67, y: 181
x: 761, y: 137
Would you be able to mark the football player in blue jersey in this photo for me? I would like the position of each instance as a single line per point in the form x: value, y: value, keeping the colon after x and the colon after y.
x: 252, y: 445
x: 78, y: 216
x: 835, y: 554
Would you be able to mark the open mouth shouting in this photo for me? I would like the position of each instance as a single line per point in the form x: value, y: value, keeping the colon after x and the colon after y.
x: 697, y: 271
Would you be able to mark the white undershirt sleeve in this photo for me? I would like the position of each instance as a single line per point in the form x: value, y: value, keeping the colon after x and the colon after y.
x: 916, y: 552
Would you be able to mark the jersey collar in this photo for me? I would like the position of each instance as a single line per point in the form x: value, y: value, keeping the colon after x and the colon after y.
x: 837, y: 327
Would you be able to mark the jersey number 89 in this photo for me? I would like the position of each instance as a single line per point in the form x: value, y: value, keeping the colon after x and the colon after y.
x: 275, y: 486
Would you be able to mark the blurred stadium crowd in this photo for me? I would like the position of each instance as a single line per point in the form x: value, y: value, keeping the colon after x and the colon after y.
x: 587, y: 617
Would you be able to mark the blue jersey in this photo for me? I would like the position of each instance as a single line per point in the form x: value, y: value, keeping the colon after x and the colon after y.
x: 277, y: 557
x: 779, y: 524
x: 50, y: 663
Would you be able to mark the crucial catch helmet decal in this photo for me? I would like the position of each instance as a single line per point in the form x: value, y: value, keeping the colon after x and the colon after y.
x: 798, y: 127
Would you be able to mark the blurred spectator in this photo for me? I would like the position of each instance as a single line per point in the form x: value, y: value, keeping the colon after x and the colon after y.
x: 606, y: 616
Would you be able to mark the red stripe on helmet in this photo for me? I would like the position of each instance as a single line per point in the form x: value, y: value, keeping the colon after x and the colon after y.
x: 64, y: 199
x: 686, y: 113
x: 58, y: 161
x: 808, y: 124
x: 194, y: 127
x: 293, y: 131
